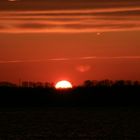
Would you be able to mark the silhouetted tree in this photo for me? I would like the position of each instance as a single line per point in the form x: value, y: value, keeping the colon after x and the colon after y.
x: 49, y: 85
x: 7, y: 84
x: 136, y: 83
x: 88, y: 83
x: 105, y: 83
x: 119, y: 83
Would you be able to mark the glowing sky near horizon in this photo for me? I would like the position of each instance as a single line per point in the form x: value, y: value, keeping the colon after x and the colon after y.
x: 50, y: 40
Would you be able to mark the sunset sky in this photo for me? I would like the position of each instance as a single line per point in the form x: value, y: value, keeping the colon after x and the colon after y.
x: 75, y: 40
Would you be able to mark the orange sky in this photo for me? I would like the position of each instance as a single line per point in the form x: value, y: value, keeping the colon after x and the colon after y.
x: 73, y: 40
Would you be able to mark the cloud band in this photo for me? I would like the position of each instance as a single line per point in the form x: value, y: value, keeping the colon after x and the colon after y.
x: 76, y: 58
x: 99, y: 17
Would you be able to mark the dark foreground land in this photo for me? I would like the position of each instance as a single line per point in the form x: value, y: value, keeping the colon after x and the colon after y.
x: 91, y: 112
x: 68, y: 123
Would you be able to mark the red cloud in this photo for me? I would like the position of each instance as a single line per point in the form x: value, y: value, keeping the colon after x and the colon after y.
x: 83, y: 68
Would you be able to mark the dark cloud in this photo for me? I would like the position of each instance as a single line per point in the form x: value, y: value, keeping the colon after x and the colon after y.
x: 33, y: 26
x: 2, y: 27
x: 70, y: 16
x: 64, y: 4
x: 102, y: 27
x: 101, y: 12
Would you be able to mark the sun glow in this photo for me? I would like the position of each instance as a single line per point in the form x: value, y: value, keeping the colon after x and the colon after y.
x: 63, y: 85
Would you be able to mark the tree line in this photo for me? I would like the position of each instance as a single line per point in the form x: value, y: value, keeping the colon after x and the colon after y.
x: 86, y: 83
x: 90, y: 93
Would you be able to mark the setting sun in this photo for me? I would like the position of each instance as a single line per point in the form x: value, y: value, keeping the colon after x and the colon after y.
x: 63, y: 84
